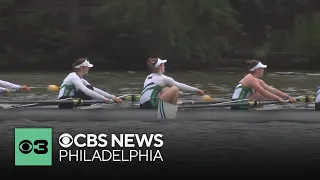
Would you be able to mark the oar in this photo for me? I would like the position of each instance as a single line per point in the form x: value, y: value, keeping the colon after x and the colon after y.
x: 187, y: 93
x: 37, y: 103
x: 299, y: 99
x: 210, y: 102
x: 249, y: 103
x: 183, y: 103
x: 227, y: 104
x: 75, y: 102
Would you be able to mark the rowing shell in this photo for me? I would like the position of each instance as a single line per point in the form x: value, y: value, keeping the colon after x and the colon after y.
x: 164, y: 111
x: 129, y: 114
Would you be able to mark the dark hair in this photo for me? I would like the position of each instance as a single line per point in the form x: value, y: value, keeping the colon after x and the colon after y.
x: 77, y: 62
x: 151, y: 62
x: 251, y: 64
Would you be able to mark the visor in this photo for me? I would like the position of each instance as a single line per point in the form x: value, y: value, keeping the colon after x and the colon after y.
x: 259, y: 65
x: 84, y: 64
x: 159, y: 62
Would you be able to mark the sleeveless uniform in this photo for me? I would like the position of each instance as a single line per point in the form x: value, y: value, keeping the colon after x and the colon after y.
x: 7, y: 85
x: 75, y: 87
x: 317, y: 99
x: 153, y: 85
x: 241, y: 92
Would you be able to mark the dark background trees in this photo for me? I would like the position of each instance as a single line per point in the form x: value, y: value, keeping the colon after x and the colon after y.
x: 121, y: 34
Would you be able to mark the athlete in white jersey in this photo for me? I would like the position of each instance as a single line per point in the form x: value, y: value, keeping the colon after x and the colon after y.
x: 158, y: 86
x: 317, y: 99
x: 251, y: 87
x: 7, y: 87
x: 74, y: 86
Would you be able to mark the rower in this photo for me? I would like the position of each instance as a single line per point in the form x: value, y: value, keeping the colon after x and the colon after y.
x: 317, y: 99
x: 7, y: 87
x: 253, y: 88
x: 158, y: 86
x: 74, y: 86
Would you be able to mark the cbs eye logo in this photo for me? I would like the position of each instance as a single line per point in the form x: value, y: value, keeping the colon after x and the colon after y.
x: 65, y: 140
x: 38, y: 146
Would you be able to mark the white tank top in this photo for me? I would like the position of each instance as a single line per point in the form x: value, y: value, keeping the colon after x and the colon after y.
x: 156, y: 82
x: 317, y: 100
x: 74, y: 83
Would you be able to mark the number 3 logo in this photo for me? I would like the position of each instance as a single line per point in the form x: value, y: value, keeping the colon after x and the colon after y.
x: 38, y: 146
x: 42, y: 146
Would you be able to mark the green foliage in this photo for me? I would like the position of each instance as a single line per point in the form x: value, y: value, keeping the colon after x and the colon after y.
x: 120, y: 15
x: 189, y: 31
x: 186, y: 28
x: 307, y: 34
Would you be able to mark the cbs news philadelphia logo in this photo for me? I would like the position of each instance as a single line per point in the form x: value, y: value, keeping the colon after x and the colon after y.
x: 33, y: 146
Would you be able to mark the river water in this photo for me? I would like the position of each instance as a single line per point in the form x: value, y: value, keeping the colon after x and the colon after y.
x: 219, y: 84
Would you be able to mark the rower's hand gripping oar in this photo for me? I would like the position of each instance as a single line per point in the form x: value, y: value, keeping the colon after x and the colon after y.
x: 306, y: 99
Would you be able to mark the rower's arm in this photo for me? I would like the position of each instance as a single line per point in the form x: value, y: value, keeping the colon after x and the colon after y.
x: 255, y: 84
x: 171, y: 82
x: 79, y: 84
x: 273, y: 90
x: 103, y: 93
x: 99, y: 91
x: 6, y: 84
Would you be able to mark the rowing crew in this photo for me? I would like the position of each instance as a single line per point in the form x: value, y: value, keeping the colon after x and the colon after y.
x: 161, y: 88
x: 157, y: 86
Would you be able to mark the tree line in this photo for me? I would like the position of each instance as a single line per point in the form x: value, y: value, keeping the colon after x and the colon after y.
x: 191, y: 34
